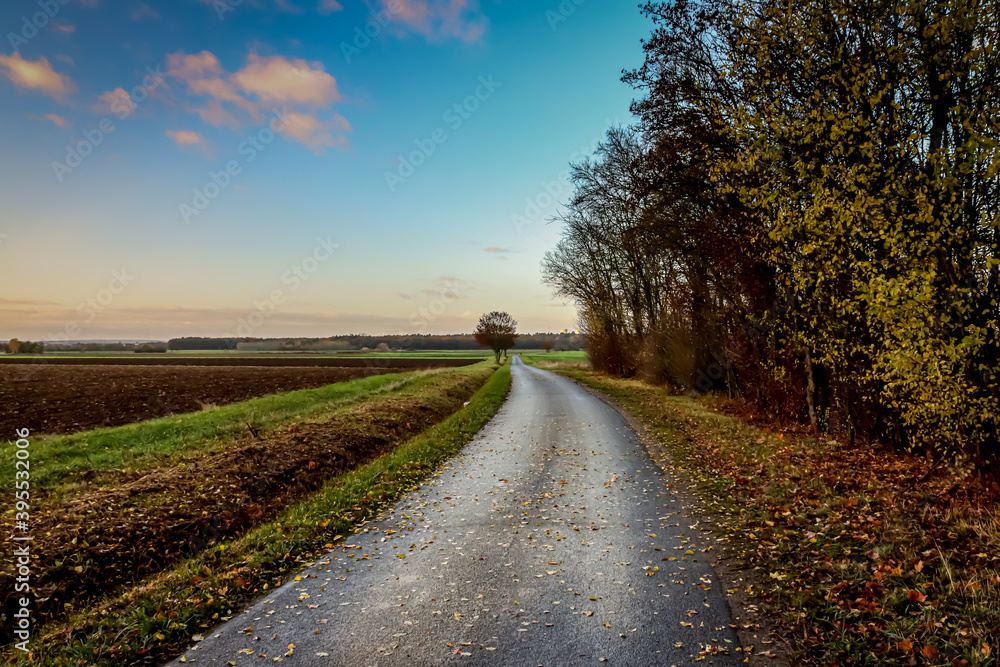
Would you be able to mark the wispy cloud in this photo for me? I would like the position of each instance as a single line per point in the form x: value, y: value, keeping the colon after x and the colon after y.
x: 284, y: 6
x: 213, y: 113
x: 329, y: 6
x: 315, y: 134
x: 144, y: 11
x: 181, y: 137
x: 27, y: 302
x: 436, y: 19
x: 288, y: 7
x: 204, y: 76
x: 265, y: 82
x: 36, y: 75
x: 60, y: 121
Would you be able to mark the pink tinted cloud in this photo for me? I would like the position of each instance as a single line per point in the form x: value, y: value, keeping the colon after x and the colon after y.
x: 314, y: 134
x: 329, y: 6
x: 279, y: 79
x: 55, y: 118
x: 298, y: 87
x: 117, y: 101
x: 461, y: 19
x: 36, y: 75
x: 184, y: 136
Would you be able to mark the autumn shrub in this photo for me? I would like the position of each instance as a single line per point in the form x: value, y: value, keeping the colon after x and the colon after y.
x: 841, y: 159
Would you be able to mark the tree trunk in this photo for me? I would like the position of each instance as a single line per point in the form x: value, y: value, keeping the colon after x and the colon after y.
x: 811, y: 395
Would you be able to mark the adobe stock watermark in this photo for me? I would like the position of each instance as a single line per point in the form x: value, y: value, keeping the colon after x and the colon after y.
x: 122, y: 107
x: 218, y: 181
x: 293, y: 279
x: 364, y: 34
x: 223, y: 7
x: 454, y: 117
x: 562, y: 12
x: 22, y: 537
x: 423, y: 317
x: 94, y: 305
x: 31, y: 24
x: 550, y: 192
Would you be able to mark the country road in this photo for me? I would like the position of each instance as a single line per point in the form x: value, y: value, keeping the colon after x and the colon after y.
x: 552, y: 539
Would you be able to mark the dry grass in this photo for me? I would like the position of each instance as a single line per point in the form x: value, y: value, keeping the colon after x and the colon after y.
x: 867, y: 557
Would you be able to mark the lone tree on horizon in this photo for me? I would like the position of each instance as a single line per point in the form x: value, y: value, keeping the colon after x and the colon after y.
x: 497, y: 331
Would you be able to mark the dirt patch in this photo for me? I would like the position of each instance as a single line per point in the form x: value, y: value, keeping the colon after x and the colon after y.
x: 121, y: 530
x: 69, y: 398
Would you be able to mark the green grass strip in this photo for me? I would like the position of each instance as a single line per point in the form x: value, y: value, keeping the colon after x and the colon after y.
x: 155, y: 620
x: 150, y: 442
x: 565, y: 357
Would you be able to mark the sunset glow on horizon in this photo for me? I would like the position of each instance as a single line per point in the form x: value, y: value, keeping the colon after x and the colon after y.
x: 319, y: 167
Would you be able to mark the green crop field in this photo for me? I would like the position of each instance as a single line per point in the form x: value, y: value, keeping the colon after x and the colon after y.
x: 566, y: 357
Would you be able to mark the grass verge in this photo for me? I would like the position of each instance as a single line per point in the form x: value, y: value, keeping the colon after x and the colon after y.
x: 865, y: 557
x: 155, y: 620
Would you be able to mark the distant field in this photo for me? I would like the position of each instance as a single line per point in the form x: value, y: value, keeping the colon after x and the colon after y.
x: 265, y: 358
x: 246, y: 360
x: 65, y: 398
x: 541, y: 357
x: 445, y: 354
x: 71, y: 392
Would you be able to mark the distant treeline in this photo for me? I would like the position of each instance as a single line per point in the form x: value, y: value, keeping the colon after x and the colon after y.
x: 535, y: 341
x: 106, y: 347
x: 197, y: 343
x: 16, y: 346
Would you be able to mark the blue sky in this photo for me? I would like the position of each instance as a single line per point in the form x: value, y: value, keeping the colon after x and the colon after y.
x: 149, y: 235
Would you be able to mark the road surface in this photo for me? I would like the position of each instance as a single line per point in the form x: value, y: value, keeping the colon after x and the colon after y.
x: 552, y: 539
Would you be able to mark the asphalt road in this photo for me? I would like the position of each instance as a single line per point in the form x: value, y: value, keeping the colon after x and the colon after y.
x: 552, y: 539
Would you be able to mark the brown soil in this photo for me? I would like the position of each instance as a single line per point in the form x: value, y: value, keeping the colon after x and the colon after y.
x: 65, y: 399
x: 122, y: 529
